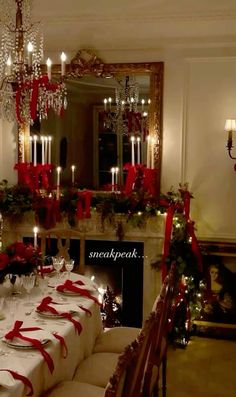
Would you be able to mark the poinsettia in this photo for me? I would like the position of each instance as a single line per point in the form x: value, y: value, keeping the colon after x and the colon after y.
x: 19, y: 258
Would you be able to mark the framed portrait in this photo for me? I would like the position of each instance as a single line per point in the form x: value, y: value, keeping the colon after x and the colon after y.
x: 217, y: 316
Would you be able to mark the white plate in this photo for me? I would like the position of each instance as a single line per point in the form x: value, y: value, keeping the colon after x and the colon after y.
x: 53, y: 315
x: 21, y: 344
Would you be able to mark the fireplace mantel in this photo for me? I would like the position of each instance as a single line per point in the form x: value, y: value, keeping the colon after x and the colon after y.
x: 151, y: 233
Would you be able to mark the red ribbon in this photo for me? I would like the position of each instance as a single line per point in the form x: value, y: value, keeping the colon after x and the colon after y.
x: 24, y: 174
x: 87, y: 311
x: 64, y: 349
x: 168, y: 230
x: 23, y: 379
x: 71, y: 286
x: 186, y: 199
x: 130, y: 179
x: 45, y: 307
x: 150, y: 180
x: 16, y: 333
x: 83, y: 204
x: 42, y: 83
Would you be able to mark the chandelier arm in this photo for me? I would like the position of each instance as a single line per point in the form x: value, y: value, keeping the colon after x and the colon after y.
x: 230, y: 155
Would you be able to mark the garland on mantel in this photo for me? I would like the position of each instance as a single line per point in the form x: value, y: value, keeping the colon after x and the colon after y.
x: 137, y: 206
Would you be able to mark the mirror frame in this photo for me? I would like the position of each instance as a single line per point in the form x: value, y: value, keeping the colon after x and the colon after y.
x: 86, y: 62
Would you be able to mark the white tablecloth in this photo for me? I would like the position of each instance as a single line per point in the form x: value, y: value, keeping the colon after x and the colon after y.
x: 30, y: 363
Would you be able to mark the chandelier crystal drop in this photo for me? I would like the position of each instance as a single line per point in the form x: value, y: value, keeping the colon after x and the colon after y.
x: 25, y: 93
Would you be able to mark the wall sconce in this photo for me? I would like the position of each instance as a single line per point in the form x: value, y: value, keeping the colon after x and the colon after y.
x: 230, y: 126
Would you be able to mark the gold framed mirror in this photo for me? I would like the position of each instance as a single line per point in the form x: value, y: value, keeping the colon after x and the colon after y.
x: 86, y: 64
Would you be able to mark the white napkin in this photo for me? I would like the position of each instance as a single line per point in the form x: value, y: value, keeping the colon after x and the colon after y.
x: 6, y: 379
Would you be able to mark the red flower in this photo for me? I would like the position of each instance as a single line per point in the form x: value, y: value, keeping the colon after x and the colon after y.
x: 4, y: 260
x: 19, y: 248
x: 29, y: 252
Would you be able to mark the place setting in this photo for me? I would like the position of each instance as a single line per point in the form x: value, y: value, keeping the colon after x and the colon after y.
x: 49, y: 309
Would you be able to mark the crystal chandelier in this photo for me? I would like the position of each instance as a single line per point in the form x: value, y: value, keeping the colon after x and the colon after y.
x: 25, y: 93
x: 128, y: 117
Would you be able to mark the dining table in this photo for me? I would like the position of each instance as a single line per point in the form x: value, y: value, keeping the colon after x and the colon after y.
x: 47, y: 332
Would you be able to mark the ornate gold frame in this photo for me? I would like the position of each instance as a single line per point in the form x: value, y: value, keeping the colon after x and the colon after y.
x: 87, y: 62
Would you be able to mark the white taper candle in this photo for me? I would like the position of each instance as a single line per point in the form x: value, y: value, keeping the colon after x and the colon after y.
x: 35, y: 149
x: 35, y: 230
x: 132, y: 150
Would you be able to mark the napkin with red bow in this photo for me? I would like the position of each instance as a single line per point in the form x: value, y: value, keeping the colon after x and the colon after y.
x: 48, y: 305
x: 22, y: 333
x: 74, y: 286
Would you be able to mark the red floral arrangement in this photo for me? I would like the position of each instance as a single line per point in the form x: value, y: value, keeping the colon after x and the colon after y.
x: 19, y: 258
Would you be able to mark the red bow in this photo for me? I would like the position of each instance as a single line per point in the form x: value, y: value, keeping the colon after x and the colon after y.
x: 16, y: 333
x: 45, y: 307
x: 71, y: 286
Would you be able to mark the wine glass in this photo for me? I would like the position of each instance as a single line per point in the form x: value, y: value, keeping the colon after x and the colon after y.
x: 69, y: 265
x: 28, y: 284
x: 43, y: 285
x: 15, y: 283
x: 58, y: 263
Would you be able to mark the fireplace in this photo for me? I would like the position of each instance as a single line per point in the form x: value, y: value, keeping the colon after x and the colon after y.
x: 148, y: 239
x: 119, y: 265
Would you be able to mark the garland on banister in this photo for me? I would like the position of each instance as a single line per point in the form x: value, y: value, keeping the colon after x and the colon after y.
x: 181, y: 248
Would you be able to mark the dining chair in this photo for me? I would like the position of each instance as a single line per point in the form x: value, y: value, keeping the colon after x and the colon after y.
x: 157, y: 359
x: 126, y: 379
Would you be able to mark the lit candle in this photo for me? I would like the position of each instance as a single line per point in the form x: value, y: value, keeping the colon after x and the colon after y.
x: 148, y: 151
x: 58, y: 175
x: 131, y: 103
x: 30, y: 148
x: 35, y: 149
x: 35, y: 236
x: 58, y: 182
x: 73, y: 174
x: 138, y: 149
x: 30, y: 53
x: 105, y: 104
x: 112, y: 178
x: 49, y: 149
x: 132, y: 150
x: 142, y: 102
x: 63, y: 64
x: 43, y: 152
x: 9, y: 66
x: 116, y: 175
x: 49, y: 68
x: 46, y: 148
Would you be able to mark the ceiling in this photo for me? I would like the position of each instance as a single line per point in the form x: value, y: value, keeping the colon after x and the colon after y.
x: 154, y: 26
